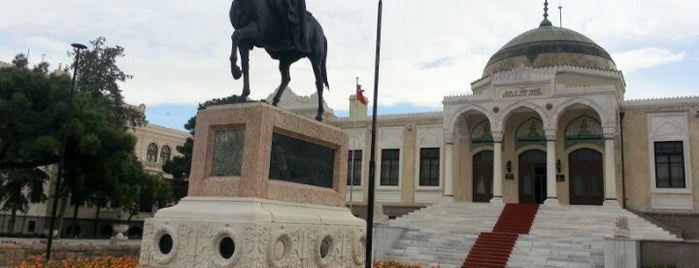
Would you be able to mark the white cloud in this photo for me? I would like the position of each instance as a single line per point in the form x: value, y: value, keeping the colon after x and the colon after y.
x: 644, y: 58
x: 178, y: 51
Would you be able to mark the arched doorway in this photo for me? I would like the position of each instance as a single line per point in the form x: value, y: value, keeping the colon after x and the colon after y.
x: 483, y: 176
x: 532, y: 177
x: 586, y: 181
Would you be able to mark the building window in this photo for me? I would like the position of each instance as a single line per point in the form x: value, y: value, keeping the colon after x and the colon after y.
x: 165, y: 154
x: 429, y: 166
x: 669, y: 164
x: 152, y: 152
x: 389, y: 167
x: 31, y: 227
x: 354, y: 167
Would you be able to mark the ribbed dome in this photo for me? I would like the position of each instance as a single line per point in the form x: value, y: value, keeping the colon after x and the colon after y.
x: 549, y: 46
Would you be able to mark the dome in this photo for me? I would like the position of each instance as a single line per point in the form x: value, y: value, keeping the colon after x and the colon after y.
x: 549, y: 46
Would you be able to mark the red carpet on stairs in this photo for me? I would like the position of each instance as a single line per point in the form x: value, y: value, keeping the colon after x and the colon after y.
x: 492, y: 249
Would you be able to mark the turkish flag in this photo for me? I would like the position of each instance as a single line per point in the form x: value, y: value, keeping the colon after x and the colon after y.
x: 360, y: 96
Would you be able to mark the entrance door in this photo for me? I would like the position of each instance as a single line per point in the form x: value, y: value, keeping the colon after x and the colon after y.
x: 483, y: 176
x: 586, y: 181
x: 532, y: 177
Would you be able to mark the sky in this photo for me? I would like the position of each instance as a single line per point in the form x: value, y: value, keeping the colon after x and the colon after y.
x: 177, y: 51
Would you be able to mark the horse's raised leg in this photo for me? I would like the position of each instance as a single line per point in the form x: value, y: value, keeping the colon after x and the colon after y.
x: 235, y: 70
x: 243, y: 39
x: 284, y: 65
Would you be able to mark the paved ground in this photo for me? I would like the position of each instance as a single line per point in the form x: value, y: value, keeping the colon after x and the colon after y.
x: 14, y: 240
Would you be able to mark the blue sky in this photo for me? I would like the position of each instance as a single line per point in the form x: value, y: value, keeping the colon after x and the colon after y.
x: 178, y: 51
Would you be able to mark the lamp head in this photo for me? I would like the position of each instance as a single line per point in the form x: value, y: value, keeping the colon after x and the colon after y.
x: 78, y: 46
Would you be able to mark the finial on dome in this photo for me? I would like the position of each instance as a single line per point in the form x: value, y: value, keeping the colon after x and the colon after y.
x: 546, y: 21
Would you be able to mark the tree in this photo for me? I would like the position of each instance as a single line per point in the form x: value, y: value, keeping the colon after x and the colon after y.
x: 98, y: 76
x: 179, y: 166
x: 29, y: 105
x: 18, y: 187
x: 20, y: 61
x: 99, y: 154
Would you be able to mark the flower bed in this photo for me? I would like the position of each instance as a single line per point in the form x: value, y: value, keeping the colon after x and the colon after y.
x: 101, y: 262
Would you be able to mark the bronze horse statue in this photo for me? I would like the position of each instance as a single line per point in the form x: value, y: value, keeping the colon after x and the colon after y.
x: 287, y: 32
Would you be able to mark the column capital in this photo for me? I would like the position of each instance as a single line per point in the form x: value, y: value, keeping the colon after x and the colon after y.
x: 497, y: 135
x: 609, y: 132
x: 550, y: 134
x: 449, y: 137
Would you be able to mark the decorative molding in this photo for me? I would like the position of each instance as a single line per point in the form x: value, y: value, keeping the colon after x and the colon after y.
x: 661, y: 102
x: 672, y: 202
x: 390, y: 137
x: 544, y: 71
x: 357, y: 195
x: 669, y: 127
x: 428, y: 197
x: 385, y: 196
x: 357, y: 138
x: 430, y: 136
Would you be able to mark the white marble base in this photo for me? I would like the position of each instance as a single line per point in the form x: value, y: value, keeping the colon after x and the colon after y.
x: 264, y: 233
x: 497, y: 200
x: 552, y: 202
x: 621, y: 253
x: 611, y: 203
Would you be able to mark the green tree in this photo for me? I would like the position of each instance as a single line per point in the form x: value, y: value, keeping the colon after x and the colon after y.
x: 20, y: 61
x: 100, y: 164
x: 179, y: 166
x: 18, y: 187
x: 99, y: 75
x: 31, y: 103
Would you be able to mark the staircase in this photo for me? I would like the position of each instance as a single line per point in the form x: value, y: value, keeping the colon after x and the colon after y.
x: 573, y: 236
x: 560, y: 235
x: 443, y: 233
x: 492, y: 249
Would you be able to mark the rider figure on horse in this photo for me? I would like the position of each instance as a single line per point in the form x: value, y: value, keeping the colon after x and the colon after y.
x: 296, y: 14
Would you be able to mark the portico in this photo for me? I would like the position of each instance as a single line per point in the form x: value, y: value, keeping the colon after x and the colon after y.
x: 545, y: 141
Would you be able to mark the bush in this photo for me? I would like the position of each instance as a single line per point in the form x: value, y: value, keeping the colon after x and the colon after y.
x: 101, y: 262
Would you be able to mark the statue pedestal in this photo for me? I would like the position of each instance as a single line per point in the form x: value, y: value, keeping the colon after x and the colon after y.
x: 266, y: 190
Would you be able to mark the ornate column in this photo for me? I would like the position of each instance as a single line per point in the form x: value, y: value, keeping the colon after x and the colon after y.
x: 448, y: 165
x: 497, y: 168
x: 551, y: 191
x: 609, y: 168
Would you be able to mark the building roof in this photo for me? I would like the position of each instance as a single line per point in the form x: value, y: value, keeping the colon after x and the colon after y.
x: 548, y: 45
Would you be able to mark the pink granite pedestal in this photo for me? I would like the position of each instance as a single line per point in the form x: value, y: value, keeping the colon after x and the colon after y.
x: 236, y: 216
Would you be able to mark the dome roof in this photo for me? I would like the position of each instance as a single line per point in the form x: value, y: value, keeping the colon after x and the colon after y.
x: 549, y: 46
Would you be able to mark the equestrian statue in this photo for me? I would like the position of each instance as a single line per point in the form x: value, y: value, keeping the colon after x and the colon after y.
x: 287, y: 32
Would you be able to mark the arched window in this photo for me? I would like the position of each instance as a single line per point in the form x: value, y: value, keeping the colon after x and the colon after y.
x: 531, y: 131
x: 481, y: 135
x: 584, y: 129
x: 152, y: 154
x: 165, y: 153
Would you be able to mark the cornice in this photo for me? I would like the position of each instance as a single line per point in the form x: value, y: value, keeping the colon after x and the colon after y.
x: 658, y: 102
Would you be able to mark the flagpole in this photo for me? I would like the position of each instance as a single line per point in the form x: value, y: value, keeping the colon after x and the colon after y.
x: 354, y: 121
x: 372, y: 160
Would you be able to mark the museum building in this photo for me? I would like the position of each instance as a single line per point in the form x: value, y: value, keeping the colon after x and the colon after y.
x: 546, y: 123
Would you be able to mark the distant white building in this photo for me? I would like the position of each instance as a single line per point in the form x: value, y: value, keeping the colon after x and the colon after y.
x: 155, y: 144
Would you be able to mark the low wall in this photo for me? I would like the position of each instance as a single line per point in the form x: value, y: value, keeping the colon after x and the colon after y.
x: 13, y: 254
x: 384, y: 237
x: 675, y: 253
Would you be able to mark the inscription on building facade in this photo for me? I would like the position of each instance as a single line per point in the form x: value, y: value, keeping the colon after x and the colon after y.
x: 520, y: 92
x: 523, y: 92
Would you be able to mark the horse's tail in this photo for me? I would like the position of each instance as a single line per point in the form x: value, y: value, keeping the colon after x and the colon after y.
x: 322, y: 63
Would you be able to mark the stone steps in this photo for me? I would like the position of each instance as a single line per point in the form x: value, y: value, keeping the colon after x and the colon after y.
x: 560, y: 236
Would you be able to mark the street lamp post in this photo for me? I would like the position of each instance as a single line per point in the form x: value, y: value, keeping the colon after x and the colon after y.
x: 62, y: 153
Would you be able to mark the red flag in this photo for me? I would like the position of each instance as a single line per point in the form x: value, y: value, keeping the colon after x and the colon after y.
x: 360, y: 96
